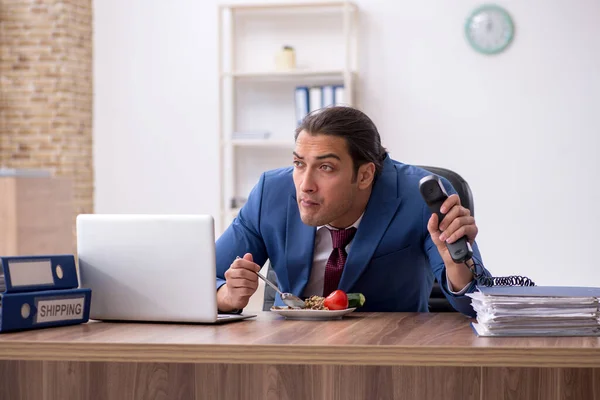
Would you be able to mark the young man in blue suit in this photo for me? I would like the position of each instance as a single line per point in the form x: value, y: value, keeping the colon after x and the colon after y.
x: 346, y: 216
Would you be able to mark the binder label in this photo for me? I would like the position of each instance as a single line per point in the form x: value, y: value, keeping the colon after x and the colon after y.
x: 30, y: 272
x: 59, y: 309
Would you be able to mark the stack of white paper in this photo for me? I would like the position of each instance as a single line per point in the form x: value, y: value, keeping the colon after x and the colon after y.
x: 536, y: 311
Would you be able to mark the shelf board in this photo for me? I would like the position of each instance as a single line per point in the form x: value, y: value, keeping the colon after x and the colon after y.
x: 268, y: 143
x: 231, y: 212
x: 287, y: 6
x: 297, y: 73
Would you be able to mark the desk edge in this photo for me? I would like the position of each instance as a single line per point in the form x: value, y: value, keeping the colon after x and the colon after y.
x: 306, y: 354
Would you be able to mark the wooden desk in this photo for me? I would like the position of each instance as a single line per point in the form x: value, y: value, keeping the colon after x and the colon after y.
x: 364, y: 356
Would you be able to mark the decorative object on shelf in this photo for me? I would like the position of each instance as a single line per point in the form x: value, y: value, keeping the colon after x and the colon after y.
x: 285, y: 59
x: 489, y: 29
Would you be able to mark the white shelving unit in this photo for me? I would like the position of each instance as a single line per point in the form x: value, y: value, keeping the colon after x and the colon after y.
x: 255, y: 96
x: 273, y: 75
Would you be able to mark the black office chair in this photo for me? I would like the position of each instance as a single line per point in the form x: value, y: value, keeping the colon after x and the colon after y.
x: 460, y: 185
x: 269, y: 299
x: 437, y: 300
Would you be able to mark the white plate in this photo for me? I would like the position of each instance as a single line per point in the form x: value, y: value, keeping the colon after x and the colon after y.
x: 313, y: 315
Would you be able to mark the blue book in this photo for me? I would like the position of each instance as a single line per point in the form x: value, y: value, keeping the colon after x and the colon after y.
x: 328, y: 96
x: 42, y: 309
x: 40, y: 272
x: 302, y: 103
x: 338, y: 95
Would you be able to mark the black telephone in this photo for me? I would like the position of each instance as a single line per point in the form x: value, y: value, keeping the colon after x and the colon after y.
x: 433, y: 192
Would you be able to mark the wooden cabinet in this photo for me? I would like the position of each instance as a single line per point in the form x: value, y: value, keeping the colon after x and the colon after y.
x: 36, y: 215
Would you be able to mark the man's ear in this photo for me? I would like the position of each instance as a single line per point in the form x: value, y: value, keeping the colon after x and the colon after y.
x: 366, y: 175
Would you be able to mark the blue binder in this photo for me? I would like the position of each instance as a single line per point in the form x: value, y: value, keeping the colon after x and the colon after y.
x: 42, y: 309
x: 40, y: 272
x: 328, y: 98
x: 338, y: 95
x: 302, y: 104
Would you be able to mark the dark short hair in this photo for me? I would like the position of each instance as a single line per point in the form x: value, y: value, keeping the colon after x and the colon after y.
x: 362, y: 137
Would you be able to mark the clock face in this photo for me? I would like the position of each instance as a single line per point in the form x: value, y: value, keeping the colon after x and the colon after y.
x: 489, y: 29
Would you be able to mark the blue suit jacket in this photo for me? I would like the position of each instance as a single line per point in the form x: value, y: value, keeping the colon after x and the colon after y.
x: 392, y: 260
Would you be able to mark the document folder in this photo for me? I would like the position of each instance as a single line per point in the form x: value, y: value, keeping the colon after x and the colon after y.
x: 33, y: 310
x: 328, y: 96
x: 302, y: 103
x: 541, y: 291
x: 536, y: 311
x: 315, y: 98
x: 338, y: 95
x: 40, y: 272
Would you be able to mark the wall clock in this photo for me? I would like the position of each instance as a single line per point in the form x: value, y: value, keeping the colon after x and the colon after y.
x: 489, y: 29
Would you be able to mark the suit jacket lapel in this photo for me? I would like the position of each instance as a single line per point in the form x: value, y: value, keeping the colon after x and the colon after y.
x: 380, y: 211
x: 299, y: 247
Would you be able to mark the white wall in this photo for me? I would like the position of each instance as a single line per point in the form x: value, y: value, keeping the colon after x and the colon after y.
x: 154, y: 108
x: 522, y: 127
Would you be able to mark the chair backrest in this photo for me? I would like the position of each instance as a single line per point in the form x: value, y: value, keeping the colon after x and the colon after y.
x: 437, y: 300
x: 270, y: 293
x: 460, y: 185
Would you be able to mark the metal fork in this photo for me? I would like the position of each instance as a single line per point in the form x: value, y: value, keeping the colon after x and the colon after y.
x: 288, y: 298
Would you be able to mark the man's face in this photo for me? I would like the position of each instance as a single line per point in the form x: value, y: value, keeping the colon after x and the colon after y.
x: 324, y: 178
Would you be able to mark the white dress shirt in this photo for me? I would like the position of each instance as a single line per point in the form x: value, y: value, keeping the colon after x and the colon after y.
x: 323, y: 249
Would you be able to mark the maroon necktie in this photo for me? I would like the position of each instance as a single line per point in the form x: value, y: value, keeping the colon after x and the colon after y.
x: 337, y: 259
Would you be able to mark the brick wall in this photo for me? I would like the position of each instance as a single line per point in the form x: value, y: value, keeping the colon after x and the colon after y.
x: 46, y: 90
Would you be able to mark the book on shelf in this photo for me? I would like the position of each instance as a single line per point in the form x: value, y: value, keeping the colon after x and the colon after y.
x: 310, y: 98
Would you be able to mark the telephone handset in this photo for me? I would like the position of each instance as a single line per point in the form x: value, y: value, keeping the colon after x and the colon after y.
x: 433, y: 192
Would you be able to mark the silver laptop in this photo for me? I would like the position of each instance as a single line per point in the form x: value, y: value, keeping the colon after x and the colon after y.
x: 158, y: 268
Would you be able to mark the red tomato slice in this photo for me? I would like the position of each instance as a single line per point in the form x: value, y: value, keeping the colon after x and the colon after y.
x: 337, y: 300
